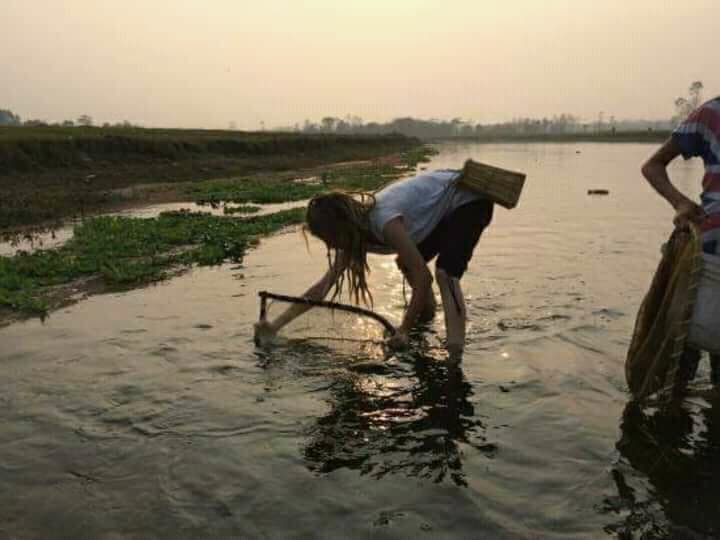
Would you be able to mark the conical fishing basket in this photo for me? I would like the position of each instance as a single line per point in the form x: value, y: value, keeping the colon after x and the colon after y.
x: 499, y: 185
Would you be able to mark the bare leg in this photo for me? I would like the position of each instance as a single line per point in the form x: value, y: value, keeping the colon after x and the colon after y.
x: 430, y: 307
x: 455, y: 315
x: 428, y: 312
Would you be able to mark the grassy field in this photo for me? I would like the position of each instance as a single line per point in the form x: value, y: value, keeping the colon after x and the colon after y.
x: 50, y: 173
x: 27, y: 149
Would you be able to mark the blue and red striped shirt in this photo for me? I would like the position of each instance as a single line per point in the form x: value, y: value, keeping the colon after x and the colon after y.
x: 699, y: 136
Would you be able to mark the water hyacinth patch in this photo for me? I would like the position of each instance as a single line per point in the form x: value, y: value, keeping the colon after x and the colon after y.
x: 367, y: 176
x: 127, y: 251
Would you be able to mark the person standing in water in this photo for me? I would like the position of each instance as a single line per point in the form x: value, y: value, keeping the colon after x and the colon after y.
x: 417, y: 219
x: 697, y: 136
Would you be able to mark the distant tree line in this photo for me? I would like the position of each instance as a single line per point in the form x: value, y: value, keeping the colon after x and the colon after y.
x: 457, y: 127
x: 8, y: 118
x: 437, y: 129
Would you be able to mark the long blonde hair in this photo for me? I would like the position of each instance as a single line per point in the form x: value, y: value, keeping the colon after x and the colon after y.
x: 340, y: 219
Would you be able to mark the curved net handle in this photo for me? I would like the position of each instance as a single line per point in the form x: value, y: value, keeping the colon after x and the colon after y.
x: 264, y: 295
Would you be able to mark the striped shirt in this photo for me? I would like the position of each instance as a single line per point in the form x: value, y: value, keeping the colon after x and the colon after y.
x: 699, y: 136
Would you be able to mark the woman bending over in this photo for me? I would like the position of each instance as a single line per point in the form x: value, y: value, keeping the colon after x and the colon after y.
x: 417, y: 219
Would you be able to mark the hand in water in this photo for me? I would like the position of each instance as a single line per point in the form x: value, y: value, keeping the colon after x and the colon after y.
x: 264, y: 333
x: 398, y: 341
x: 688, y: 212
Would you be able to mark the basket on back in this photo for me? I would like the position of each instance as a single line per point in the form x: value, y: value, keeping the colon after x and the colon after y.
x: 499, y: 185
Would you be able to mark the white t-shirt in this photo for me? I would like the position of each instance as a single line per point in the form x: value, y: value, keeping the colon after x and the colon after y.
x: 422, y: 201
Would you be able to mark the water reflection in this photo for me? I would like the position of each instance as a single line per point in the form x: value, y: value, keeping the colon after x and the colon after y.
x: 411, y: 418
x: 677, y: 451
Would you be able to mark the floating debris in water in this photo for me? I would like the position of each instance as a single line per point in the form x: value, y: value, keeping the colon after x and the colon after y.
x: 598, y: 192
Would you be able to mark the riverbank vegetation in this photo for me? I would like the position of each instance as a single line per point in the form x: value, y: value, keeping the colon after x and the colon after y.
x: 50, y: 173
x: 110, y: 252
x: 358, y: 176
x: 124, y: 252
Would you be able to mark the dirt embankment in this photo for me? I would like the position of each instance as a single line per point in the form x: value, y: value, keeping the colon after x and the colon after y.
x: 47, y: 174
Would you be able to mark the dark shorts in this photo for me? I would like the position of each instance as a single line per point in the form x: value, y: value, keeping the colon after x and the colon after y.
x: 455, y: 237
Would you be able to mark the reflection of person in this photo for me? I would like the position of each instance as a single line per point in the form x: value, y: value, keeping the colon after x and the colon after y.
x: 697, y: 136
x: 417, y: 219
x: 416, y: 430
x: 681, y: 466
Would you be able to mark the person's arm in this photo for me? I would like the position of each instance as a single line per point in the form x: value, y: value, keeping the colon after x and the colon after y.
x: 655, y: 171
x: 418, y: 275
x: 318, y: 291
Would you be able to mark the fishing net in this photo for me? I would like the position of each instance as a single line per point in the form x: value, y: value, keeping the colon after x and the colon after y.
x: 654, y: 361
x: 342, y: 325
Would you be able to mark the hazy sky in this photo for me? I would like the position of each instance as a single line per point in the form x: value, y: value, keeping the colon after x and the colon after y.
x: 204, y: 63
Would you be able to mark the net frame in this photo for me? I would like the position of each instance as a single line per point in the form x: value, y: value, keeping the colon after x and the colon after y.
x: 357, y: 310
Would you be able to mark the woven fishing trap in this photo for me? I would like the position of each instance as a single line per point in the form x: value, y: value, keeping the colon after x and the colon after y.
x: 499, y: 185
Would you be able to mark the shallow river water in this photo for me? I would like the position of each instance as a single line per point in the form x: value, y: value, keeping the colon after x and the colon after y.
x: 151, y: 414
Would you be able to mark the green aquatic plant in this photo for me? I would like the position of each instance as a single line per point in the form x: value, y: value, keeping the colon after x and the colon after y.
x: 363, y: 176
x: 419, y: 154
x: 251, y: 191
x: 372, y: 176
x: 125, y: 251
